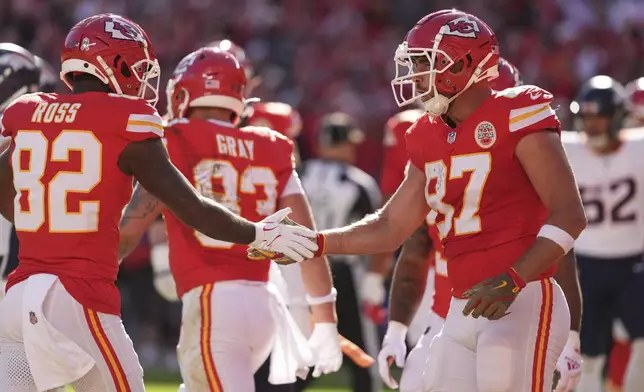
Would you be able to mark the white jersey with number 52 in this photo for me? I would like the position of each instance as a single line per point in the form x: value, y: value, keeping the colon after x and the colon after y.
x: 610, y: 187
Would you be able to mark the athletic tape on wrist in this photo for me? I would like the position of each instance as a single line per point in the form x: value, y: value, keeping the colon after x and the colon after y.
x: 558, y: 236
x: 322, y: 300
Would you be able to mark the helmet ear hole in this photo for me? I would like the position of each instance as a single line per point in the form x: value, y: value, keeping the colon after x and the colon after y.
x: 125, y: 70
x: 457, y: 67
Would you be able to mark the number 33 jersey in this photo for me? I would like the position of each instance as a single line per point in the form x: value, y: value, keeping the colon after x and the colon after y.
x: 245, y: 169
x: 610, y: 188
x: 486, y: 211
x: 70, y: 190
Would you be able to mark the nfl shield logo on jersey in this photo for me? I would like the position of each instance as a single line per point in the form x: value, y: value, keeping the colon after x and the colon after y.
x: 485, y: 134
x: 32, y: 318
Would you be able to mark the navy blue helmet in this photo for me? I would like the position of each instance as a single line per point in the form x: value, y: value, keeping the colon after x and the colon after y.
x: 601, y: 96
x: 19, y: 73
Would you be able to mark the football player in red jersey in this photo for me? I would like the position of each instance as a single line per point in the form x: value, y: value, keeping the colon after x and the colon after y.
x: 410, y: 306
x: 232, y: 319
x: 491, y: 169
x: 70, y: 166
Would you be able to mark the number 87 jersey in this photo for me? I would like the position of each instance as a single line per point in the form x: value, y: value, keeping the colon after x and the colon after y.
x: 486, y: 210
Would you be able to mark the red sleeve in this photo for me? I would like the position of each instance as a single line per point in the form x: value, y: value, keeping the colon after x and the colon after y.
x: 414, y: 141
x: 143, y: 121
x: 530, y: 112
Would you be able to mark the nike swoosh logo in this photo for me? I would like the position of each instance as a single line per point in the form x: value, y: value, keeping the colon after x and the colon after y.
x: 501, y: 285
x: 535, y: 96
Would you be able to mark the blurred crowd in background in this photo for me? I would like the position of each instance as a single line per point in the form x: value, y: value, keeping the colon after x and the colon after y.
x: 327, y: 55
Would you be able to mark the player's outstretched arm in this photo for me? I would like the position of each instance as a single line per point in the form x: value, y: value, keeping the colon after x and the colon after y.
x: 543, y: 158
x: 148, y: 161
x: 142, y: 210
x: 388, y: 227
x: 7, y: 192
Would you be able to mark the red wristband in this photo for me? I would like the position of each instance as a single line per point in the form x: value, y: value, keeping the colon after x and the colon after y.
x: 518, y: 280
x: 321, y: 241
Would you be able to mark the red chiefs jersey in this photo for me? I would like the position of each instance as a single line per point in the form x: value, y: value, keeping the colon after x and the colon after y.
x: 487, y: 212
x: 71, y: 192
x: 278, y: 116
x: 395, y: 154
x: 246, y: 170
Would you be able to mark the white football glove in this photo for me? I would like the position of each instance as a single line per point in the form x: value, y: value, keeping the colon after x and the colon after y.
x: 569, y: 364
x: 295, y: 242
x: 393, y: 349
x: 325, y: 343
x: 372, y: 289
x: 163, y: 279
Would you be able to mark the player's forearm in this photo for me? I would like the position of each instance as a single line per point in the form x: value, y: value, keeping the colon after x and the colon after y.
x: 410, y: 278
x: 568, y: 279
x: 148, y: 162
x: 316, y: 276
x: 545, y: 252
x: 371, y: 235
x: 142, y: 210
x: 216, y: 221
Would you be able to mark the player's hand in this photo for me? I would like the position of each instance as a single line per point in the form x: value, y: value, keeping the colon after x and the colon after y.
x: 569, y: 364
x: 492, y: 297
x: 372, y: 289
x: 394, y: 349
x: 283, y: 242
x: 325, y: 343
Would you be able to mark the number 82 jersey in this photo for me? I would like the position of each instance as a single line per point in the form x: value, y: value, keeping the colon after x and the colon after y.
x: 485, y: 208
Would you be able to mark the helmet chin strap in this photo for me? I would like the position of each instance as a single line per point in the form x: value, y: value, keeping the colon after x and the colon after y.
x: 437, y: 105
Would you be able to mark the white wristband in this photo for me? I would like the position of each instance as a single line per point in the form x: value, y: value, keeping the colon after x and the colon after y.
x: 558, y: 236
x: 322, y: 300
x: 397, y: 330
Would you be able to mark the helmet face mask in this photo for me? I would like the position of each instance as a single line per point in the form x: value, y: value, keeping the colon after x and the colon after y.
x: 442, y: 56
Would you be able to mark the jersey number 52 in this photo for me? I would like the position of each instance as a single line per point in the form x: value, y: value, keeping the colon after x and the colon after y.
x: 598, y: 210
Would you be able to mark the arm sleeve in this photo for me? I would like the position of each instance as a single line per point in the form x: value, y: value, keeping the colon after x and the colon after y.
x: 143, y: 122
x: 531, y: 112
